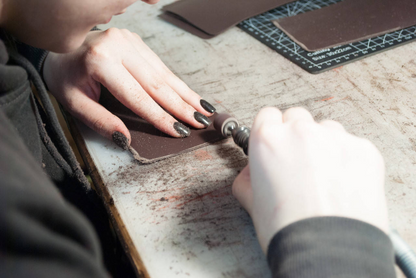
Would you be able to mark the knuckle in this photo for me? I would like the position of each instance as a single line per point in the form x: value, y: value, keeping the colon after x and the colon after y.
x: 303, y: 129
x: 162, y: 121
x: 264, y: 131
x: 112, y: 33
x: 295, y: 111
x: 140, y: 99
x: 157, y: 85
x: 71, y: 104
x: 118, y: 125
x: 98, y: 125
x: 96, y: 53
x: 107, y: 124
x: 138, y: 37
x: 269, y: 113
x: 301, y: 126
x: 125, y: 33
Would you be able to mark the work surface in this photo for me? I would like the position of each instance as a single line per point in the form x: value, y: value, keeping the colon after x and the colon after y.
x: 179, y: 214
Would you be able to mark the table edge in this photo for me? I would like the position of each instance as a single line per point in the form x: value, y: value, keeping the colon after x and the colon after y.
x: 108, y: 202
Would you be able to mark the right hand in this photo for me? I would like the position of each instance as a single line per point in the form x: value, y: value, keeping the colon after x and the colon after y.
x: 299, y: 168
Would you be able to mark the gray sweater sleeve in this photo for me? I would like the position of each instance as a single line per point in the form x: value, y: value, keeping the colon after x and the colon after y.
x: 331, y: 247
x: 40, y: 234
x: 35, y: 55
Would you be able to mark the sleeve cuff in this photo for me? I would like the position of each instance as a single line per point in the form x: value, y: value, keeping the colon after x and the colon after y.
x: 331, y: 247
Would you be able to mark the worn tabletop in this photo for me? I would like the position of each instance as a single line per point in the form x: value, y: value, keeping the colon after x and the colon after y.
x: 178, y: 217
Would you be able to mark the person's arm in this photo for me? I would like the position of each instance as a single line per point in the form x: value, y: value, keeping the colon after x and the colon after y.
x: 331, y: 247
x: 40, y: 234
x: 316, y: 196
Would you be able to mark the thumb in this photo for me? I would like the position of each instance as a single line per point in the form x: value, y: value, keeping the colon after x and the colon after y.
x: 242, y: 189
x: 96, y: 117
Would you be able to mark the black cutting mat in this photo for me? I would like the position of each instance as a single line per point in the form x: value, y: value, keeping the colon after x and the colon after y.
x: 261, y: 28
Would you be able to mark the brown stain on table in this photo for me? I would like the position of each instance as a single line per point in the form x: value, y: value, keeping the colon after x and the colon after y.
x: 202, y: 155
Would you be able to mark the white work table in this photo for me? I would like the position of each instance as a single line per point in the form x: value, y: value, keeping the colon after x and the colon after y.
x: 178, y: 217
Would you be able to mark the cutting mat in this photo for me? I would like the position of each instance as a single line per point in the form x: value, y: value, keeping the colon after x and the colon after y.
x: 262, y: 28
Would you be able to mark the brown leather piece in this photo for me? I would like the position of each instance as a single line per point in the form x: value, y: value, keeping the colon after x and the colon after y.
x: 213, y: 17
x: 347, y: 22
x: 152, y: 144
x: 179, y: 22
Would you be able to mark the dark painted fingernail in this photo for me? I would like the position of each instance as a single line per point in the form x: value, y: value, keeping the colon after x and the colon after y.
x: 121, y: 140
x: 207, y: 106
x: 181, y: 129
x: 202, y: 119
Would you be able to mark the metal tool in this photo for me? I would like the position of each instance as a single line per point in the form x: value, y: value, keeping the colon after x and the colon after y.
x: 229, y: 126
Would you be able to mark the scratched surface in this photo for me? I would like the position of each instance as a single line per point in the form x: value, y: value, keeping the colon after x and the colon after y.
x: 180, y: 212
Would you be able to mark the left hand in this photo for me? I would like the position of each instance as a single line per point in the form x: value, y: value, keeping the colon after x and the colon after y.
x: 125, y: 65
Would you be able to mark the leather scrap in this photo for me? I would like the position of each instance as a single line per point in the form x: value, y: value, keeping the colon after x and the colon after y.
x: 347, y: 22
x: 149, y: 144
x: 212, y: 17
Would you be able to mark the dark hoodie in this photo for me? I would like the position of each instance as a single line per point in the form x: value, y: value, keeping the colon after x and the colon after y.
x: 41, y: 233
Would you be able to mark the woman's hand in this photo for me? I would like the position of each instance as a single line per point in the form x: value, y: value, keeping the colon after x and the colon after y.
x: 125, y: 65
x: 300, y: 169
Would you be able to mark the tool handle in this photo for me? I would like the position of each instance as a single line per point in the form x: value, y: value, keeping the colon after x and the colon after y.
x: 241, y: 136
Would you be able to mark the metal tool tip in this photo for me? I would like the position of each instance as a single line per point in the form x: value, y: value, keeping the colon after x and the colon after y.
x: 224, y: 123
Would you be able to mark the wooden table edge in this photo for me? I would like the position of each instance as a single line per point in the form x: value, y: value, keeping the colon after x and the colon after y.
x: 105, y: 196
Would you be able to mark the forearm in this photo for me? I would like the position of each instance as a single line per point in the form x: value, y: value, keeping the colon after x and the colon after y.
x: 331, y: 247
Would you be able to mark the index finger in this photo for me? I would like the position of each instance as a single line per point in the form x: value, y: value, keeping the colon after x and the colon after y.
x: 267, y: 116
x: 129, y: 92
x: 297, y: 114
x: 180, y: 87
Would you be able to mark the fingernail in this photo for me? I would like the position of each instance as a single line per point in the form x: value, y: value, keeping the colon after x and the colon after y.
x: 182, y: 130
x: 121, y: 140
x: 207, y: 106
x: 202, y: 119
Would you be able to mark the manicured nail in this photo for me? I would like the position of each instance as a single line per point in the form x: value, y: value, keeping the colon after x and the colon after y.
x: 207, y: 106
x: 182, y: 130
x: 202, y: 119
x: 121, y: 140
